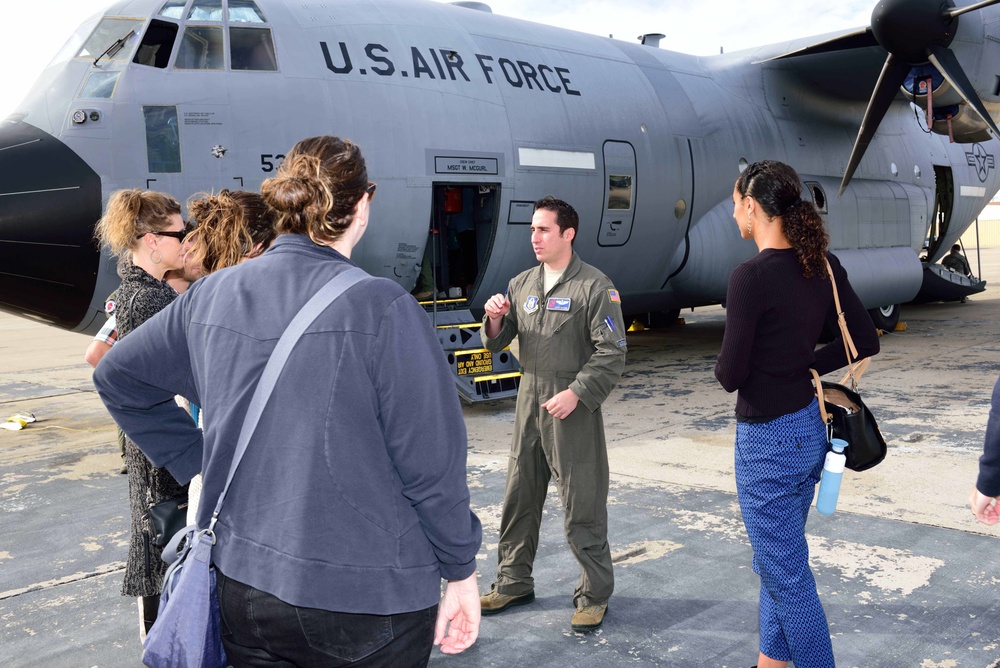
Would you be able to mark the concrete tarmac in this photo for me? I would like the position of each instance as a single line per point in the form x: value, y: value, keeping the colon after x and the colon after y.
x: 907, y: 578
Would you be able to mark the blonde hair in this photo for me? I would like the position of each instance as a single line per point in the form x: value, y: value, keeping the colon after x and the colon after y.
x: 317, y: 188
x: 131, y: 214
x: 229, y: 226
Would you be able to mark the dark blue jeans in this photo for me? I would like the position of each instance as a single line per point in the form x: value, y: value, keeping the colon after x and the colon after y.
x: 261, y: 630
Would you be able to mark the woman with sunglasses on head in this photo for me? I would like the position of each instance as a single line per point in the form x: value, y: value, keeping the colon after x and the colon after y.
x: 145, y: 231
x: 778, y: 303
x: 351, y: 504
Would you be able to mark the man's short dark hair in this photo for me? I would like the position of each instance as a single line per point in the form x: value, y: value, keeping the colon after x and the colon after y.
x: 956, y: 247
x: 566, y: 216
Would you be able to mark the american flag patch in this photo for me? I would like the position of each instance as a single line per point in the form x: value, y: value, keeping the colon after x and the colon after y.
x: 613, y: 295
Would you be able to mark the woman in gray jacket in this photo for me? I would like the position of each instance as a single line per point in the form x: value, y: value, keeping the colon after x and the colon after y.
x: 351, y: 503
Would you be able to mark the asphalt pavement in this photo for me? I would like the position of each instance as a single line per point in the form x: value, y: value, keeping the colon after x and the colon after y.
x: 906, y: 576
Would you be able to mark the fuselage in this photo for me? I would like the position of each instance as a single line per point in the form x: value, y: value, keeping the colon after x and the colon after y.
x: 644, y: 142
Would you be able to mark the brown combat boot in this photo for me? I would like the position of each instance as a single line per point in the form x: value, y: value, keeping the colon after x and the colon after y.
x: 589, y: 617
x: 495, y: 602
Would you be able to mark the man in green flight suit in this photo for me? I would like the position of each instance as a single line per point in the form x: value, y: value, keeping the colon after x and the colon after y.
x: 568, y: 319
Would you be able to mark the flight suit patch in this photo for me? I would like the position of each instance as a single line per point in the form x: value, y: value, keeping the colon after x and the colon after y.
x: 558, y: 304
x: 109, y: 307
x: 531, y: 304
x: 614, y: 296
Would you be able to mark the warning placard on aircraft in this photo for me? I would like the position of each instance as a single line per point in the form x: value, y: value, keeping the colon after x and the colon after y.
x: 473, y: 362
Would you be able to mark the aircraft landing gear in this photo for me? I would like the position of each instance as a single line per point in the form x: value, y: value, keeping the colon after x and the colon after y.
x: 885, y: 317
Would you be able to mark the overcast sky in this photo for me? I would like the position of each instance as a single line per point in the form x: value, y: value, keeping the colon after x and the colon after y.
x: 32, y: 31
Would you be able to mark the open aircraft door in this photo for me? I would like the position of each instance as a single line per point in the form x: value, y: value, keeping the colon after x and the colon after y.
x: 619, y: 194
x: 462, y: 229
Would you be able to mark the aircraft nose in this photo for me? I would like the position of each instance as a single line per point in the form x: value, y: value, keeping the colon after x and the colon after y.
x: 50, y: 199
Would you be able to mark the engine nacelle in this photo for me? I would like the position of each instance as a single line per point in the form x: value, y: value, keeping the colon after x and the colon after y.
x: 951, y: 115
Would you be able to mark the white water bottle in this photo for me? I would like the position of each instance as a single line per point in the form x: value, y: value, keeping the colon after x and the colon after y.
x: 833, y: 473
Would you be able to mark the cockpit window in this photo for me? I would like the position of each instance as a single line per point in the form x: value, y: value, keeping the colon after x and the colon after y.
x: 163, y: 145
x: 252, y: 49
x: 173, y: 9
x: 159, y: 39
x: 205, y: 10
x: 202, y: 48
x: 100, y: 85
x: 108, y: 32
x: 245, y: 11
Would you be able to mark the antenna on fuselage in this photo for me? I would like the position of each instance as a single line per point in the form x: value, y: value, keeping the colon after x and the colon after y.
x: 651, y: 39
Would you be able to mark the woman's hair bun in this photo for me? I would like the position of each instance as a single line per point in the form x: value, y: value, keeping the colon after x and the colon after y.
x: 296, y: 188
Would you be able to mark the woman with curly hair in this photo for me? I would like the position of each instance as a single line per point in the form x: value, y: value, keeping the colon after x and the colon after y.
x: 145, y: 231
x: 231, y: 227
x: 777, y: 305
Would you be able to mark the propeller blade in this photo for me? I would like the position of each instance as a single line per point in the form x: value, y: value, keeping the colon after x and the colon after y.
x: 857, y: 39
x: 947, y: 64
x: 958, y: 11
x: 893, y: 74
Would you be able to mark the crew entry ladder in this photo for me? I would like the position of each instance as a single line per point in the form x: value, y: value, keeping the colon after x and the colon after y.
x: 479, y: 374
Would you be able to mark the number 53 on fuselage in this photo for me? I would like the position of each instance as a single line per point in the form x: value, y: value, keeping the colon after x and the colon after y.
x: 467, y: 117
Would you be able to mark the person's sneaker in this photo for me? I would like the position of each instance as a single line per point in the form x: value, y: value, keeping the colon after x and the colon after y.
x: 589, y: 617
x: 495, y: 602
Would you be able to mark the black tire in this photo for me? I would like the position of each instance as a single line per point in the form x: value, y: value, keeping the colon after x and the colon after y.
x: 660, y: 319
x: 885, y: 317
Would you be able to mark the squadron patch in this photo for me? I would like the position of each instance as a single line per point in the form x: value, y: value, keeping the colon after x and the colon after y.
x: 558, y: 304
x: 109, y: 307
x: 614, y: 296
x: 531, y: 304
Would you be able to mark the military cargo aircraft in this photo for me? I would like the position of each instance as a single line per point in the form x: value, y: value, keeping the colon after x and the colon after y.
x: 467, y: 117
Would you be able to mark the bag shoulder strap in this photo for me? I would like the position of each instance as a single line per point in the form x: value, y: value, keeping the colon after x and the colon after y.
x: 819, y: 395
x: 855, y: 368
x: 305, y: 317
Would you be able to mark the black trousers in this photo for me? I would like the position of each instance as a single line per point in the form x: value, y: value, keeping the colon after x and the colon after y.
x: 259, y: 629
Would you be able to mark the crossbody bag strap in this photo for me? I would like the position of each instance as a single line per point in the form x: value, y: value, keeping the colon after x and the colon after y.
x: 849, y: 349
x: 305, y: 317
x: 855, y: 369
x: 819, y: 396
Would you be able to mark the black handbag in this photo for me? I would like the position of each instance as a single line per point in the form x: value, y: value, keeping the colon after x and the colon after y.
x: 165, y: 519
x: 843, y: 411
x: 848, y: 418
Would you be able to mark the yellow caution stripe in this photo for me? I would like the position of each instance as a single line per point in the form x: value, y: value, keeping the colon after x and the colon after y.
x: 443, y: 301
x: 499, y: 376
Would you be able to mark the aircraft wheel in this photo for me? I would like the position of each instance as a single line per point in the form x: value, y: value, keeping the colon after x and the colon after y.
x: 664, y: 318
x: 885, y: 317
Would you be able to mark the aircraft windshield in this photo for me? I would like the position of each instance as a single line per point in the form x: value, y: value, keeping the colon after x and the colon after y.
x: 216, y: 35
x: 108, y: 32
x: 202, y: 48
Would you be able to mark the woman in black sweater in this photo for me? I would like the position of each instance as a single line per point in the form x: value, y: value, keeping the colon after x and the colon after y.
x: 777, y: 305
